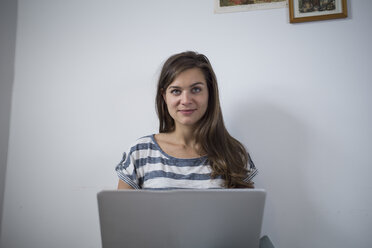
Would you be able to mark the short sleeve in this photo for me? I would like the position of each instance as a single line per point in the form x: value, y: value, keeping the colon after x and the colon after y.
x: 252, y: 170
x: 127, y: 171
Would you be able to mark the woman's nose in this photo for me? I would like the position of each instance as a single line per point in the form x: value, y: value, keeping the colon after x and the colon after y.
x: 185, y: 97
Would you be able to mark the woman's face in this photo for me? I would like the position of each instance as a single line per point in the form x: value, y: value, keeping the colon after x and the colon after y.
x: 187, y: 98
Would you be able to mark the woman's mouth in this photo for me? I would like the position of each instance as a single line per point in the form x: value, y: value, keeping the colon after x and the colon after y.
x: 186, y: 111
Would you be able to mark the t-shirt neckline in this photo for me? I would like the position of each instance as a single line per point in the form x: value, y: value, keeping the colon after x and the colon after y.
x: 174, y: 158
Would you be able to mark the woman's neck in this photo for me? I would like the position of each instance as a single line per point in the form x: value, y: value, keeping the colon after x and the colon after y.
x: 184, y: 137
x: 180, y: 143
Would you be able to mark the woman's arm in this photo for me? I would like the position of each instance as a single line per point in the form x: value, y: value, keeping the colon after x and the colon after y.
x: 123, y: 185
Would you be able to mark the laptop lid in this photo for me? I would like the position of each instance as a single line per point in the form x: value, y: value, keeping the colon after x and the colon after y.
x: 181, y: 218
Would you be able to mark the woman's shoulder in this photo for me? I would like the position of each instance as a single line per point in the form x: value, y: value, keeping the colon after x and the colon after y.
x: 143, y: 143
x: 148, y: 139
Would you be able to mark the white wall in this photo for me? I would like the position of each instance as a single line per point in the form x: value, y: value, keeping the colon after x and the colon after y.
x: 8, y: 26
x: 298, y: 96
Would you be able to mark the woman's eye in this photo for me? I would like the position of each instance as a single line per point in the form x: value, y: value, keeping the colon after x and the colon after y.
x: 175, y: 92
x: 196, y: 90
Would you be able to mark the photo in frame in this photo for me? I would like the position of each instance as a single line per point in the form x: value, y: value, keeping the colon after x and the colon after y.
x: 316, y: 10
x: 226, y: 6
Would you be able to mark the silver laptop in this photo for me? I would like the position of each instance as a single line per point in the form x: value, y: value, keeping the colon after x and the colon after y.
x: 181, y: 218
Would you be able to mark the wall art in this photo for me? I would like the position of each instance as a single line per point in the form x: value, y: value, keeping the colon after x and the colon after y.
x: 225, y: 6
x: 316, y: 10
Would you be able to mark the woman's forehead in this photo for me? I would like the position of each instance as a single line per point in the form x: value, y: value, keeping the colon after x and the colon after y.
x: 189, y: 77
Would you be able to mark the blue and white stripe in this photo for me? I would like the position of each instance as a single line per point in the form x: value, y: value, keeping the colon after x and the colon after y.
x: 146, y: 166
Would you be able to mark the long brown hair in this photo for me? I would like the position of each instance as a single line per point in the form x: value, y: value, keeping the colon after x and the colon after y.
x: 227, y: 156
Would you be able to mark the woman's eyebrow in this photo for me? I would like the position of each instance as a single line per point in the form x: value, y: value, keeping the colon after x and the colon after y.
x: 197, y: 83
x: 174, y: 87
x: 193, y: 85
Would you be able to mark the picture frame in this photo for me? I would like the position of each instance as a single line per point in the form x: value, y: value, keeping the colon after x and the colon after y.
x: 227, y: 6
x: 316, y: 10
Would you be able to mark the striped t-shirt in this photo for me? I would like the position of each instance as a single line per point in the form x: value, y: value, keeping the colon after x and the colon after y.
x: 146, y: 166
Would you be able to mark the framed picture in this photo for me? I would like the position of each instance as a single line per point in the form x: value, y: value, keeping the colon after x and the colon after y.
x: 316, y: 10
x: 225, y: 6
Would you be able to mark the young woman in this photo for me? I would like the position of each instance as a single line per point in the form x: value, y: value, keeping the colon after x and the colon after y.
x: 193, y: 149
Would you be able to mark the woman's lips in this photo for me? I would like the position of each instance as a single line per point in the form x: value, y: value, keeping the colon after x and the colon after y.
x: 187, y: 111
